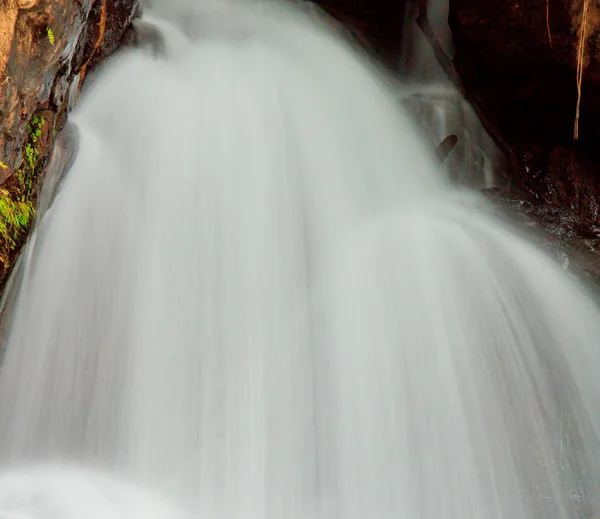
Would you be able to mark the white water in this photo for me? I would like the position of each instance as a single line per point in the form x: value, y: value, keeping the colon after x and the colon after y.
x: 418, y: 59
x: 257, y: 296
x: 439, y: 108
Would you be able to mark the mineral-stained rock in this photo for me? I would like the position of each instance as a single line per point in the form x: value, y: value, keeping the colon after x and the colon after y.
x: 47, y: 47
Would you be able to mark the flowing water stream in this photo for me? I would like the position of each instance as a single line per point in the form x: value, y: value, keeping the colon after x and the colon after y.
x: 257, y: 295
x: 433, y: 100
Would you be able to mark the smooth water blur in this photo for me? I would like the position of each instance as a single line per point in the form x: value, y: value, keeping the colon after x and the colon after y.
x: 440, y: 110
x: 257, y: 295
x: 70, y: 492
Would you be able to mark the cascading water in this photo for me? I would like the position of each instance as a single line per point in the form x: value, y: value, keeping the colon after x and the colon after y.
x: 257, y: 296
x: 434, y: 102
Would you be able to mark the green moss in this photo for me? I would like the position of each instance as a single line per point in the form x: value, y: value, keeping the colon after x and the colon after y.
x: 17, y: 207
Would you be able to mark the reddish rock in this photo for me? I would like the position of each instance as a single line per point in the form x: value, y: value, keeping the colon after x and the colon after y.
x: 46, y: 48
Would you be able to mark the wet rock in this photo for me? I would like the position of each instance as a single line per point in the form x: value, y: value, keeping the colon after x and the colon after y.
x: 445, y: 147
x: 144, y: 34
x: 47, y: 47
x: 377, y: 24
x: 47, y: 50
x: 574, y: 182
x: 573, y: 242
x: 519, y: 65
x: 60, y: 161
x: 439, y: 109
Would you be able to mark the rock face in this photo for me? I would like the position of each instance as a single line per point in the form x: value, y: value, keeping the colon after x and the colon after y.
x: 518, y: 60
x: 46, y: 49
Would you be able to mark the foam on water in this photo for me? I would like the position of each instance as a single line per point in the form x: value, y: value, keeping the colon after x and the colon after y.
x: 71, y: 492
x: 257, y: 295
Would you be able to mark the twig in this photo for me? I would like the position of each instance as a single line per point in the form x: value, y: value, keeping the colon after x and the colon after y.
x: 548, y: 22
x: 580, y: 63
x: 448, y: 67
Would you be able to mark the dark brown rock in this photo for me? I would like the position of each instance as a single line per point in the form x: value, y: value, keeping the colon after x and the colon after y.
x: 526, y: 87
x: 376, y: 23
x: 144, y: 34
x: 445, y: 147
x: 504, y: 59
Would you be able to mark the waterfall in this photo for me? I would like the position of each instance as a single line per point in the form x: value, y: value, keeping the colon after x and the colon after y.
x: 257, y: 295
x: 433, y: 100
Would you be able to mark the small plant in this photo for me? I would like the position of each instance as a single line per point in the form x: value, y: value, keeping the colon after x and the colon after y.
x: 2, y: 165
x: 15, y: 217
x: 31, y: 155
x: 16, y: 197
x: 34, y: 129
x: 50, y: 35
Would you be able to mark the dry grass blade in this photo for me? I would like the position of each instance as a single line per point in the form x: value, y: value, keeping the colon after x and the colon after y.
x: 585, y: 21
x: 548, y: 22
